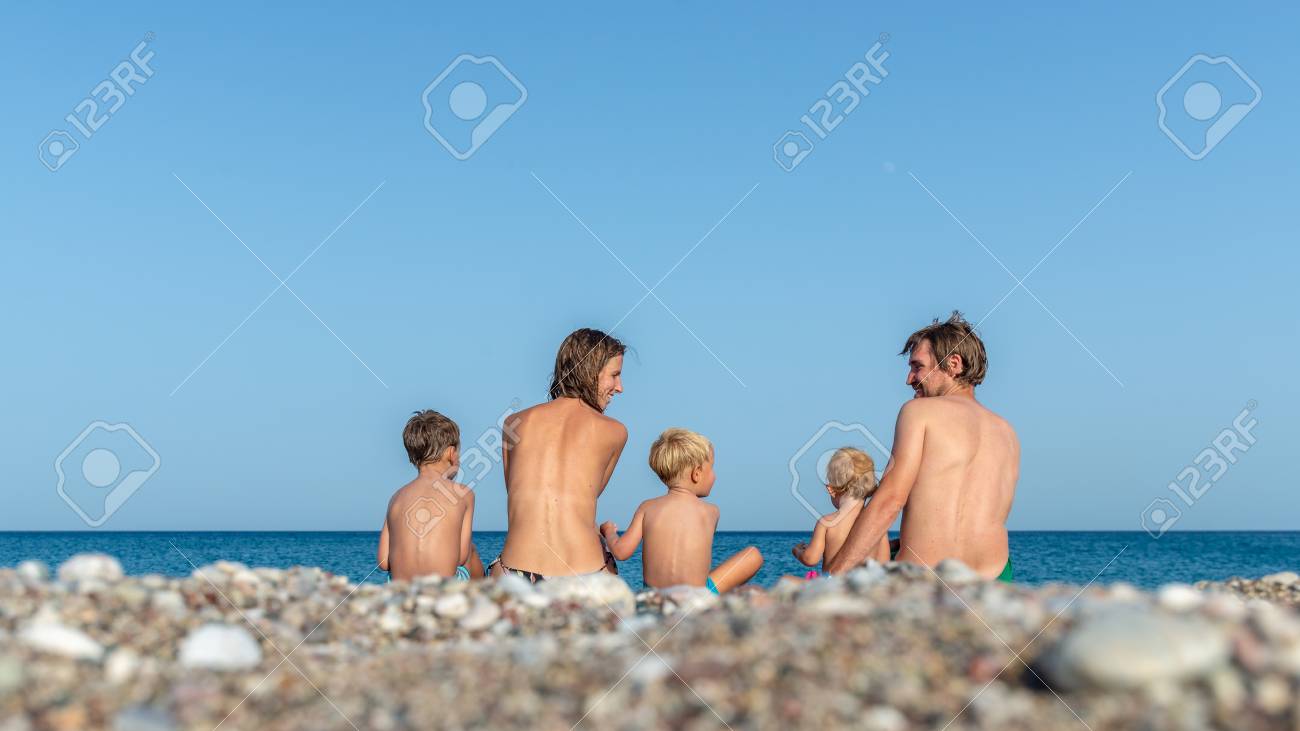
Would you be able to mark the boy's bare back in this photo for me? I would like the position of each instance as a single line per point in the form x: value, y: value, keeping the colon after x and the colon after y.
x: 678, y: 540
x: 427, y: 529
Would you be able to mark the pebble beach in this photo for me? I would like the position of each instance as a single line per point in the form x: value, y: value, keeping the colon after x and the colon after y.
x: 888, y: 647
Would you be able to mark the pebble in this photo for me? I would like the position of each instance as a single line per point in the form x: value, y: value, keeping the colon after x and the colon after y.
x: 59, y: 639
x: 12, y: 674
x: 1130, y: 648
x: 883, y: 718
x: 953, y: 571
x: 220, y: 647
x: 451, y: 606
x: 90, y: 567
x: 481, y: 616
x: 143, y: 718
x: 1273, y: 694
x: 1179, y: 597
x: 33, y: 571
x: 121, y: 666
x: 600, y: 590
x: 1283, y: 578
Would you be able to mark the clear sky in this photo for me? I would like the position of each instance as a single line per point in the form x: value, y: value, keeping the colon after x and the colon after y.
x: 1149, y: 328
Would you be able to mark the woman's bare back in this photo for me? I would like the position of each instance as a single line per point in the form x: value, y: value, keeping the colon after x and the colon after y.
x: 558, y: 458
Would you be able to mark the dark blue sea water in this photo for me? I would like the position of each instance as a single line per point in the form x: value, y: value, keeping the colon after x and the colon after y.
x: 1039, y: 557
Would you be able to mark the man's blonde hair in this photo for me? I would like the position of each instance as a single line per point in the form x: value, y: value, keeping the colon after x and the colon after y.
x: 677, y: 451
x: 851, y: 473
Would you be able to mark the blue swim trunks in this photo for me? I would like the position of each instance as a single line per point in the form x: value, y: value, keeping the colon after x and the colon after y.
x: 708, y: 584
x: 462, y: 573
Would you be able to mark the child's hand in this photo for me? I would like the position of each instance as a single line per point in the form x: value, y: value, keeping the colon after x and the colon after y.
x: 799, y: 549
x: 609, y: 529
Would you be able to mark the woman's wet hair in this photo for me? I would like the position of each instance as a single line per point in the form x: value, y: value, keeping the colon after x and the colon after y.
x: 578, y: 363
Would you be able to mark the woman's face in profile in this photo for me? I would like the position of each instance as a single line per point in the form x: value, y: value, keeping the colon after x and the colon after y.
x: 610, y: 381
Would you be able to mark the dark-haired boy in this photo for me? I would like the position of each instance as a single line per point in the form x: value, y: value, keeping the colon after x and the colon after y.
x: 428, y: 527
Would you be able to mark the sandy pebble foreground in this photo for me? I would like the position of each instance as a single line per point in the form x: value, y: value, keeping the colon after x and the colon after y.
x: 888, y: 647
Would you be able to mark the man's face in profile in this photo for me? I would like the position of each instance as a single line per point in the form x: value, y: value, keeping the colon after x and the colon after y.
x: 924, y: 374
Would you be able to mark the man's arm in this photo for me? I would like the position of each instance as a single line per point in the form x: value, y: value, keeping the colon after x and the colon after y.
x: 895, y: 486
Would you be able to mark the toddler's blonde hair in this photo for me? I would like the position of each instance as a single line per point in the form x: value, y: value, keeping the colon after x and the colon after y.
x: 676, y: 451
x: 851, y: 472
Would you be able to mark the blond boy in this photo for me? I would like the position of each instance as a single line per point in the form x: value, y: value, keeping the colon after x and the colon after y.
x: 678, y: 527
x: 428, y: 527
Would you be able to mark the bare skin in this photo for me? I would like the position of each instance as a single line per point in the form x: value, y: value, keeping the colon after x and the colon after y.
x: 559, y: 462
x: 952, y: 474
x: 429, y: 524
x: 678, y: 532
x: 831, y: 531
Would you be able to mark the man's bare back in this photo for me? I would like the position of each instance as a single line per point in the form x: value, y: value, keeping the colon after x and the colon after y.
x: 558, y: 460
x: 959, y: 503
x: 427, y: 529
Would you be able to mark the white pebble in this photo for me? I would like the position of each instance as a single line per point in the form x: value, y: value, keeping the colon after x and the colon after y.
x: 1285, y: 578
x: 59, y: 639
x: 33, y: 572
x: 121, y: 666
x: 883, y: 718
x: 602, y: 590
x: 451, y: 606
x: 220, y: 647
x: 90, y: 567
x: 481, y: 616
x: 1180, y: 597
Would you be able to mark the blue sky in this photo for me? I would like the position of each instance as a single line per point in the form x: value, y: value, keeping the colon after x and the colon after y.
x: 452, y: 285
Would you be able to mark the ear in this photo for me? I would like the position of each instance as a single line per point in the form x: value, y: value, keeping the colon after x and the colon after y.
x: 451, y: 454
x: 697, y: 473
x: 953, y: 365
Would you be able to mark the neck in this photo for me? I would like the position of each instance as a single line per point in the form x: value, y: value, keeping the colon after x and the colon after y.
x: 679, y: 490
x: 436, y: 470
x: 958, y: 389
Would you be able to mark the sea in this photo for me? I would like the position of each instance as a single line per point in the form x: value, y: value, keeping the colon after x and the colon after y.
x: 1039, y: 557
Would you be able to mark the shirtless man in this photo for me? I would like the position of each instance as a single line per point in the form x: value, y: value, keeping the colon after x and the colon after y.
x: 557, y: 461
x: 955, y: 463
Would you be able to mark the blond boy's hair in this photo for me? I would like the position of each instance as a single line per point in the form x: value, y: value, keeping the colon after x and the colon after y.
x: 851, y: 473
x: 677, y: 451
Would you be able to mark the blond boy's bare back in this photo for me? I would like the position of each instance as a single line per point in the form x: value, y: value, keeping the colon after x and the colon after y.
x: 427, y: 530
x: 560, y: 457
x: 677, y: 539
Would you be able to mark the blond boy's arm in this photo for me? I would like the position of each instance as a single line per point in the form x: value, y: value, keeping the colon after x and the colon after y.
x: 625, y: 545
x: 383, y: 546
x: 467, y: 529
x: 811, y: 553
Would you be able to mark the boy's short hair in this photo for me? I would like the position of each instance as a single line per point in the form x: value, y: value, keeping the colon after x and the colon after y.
x: 851, y: 473
x: 427, y: 435
x: 678, y: 450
